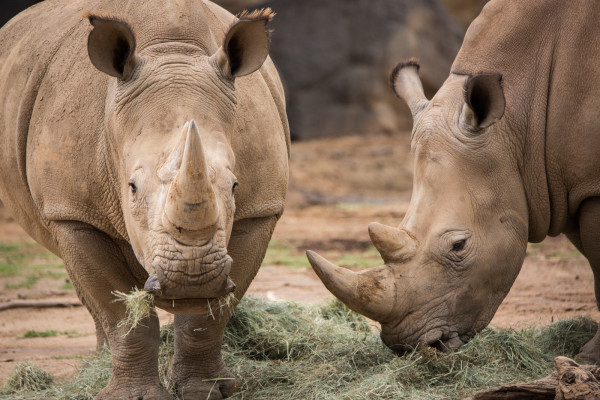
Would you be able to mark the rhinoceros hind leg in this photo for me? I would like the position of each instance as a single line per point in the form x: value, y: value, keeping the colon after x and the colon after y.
x: 197, y: 370
x: 589, y: 233
x: 98, y: 265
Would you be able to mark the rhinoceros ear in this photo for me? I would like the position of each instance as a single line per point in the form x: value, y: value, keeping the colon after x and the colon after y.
x: 246, y: 44
x: 406, y: 84
x: 484, y: 101
x: 111, y: 45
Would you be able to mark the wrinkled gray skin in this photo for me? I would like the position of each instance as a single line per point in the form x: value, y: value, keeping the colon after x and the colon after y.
x: 146, y: 146
x: 505, y: 153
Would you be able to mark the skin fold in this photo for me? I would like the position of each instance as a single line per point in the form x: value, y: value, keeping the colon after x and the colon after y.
x: 148, y: 147
x: 504, y: 153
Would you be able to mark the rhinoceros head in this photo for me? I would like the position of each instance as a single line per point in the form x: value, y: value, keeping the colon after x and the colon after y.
x: 458, y: 250
x: 169, y: 116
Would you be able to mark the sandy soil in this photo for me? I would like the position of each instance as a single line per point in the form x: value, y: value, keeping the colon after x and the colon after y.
x: 337, y: 187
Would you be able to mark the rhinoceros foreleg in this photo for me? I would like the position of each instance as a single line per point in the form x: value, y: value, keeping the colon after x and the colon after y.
x: 589, y: 233
x: 97, y: 265
x: 197, y: 370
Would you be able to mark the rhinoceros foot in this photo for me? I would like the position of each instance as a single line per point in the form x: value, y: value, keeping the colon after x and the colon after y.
x: 135, y: 391
x: 220, y: 385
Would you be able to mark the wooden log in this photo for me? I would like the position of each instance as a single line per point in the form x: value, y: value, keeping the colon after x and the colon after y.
x: 39, y: 304
x: 572, y: 382
x: 541, y: 389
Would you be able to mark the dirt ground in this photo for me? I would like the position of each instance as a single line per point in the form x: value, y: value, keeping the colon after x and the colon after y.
x: 337, y: 187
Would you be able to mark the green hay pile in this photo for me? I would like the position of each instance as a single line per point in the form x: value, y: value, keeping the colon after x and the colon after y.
x: 283, y: 350
x: 27, y: 377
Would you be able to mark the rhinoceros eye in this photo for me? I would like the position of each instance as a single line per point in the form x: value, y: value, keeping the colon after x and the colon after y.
x: 234, y: 186
x: 459, y: 245
x: 132, y: 187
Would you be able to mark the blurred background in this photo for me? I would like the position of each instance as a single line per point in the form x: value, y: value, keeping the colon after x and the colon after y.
x: 350, y: 165
x: 334, y: 56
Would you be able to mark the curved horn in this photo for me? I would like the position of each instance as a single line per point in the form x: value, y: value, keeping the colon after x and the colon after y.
x: 191, y: 203
x: 394, y: 245
x: 407, y: 85
x: 371, y: 293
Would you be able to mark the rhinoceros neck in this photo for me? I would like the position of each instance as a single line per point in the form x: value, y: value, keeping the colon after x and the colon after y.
x: 520, y: 41
x: 111, y: 203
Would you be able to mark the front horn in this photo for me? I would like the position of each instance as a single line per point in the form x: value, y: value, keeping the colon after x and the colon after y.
x: 191, y: 203
x: 371, y: 293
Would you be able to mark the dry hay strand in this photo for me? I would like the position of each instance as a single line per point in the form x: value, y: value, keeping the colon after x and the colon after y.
x: 226, y: 302
x: 287, y: 350
x: 90, y: 379
x: 28, y: 377
x: 139, y: 304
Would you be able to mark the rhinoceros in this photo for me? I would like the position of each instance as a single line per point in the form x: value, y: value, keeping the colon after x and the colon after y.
x: 146, y: 143
x: 506, y: 152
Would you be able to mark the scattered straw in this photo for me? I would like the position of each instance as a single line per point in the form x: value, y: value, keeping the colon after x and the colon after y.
x: 285, y: 350
x: 227, y: 302
x: 28, y: 377
x: 139, y: 304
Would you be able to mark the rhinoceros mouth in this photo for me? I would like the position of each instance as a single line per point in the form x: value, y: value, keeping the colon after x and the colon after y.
x: 191, y: 272
x: 190, y: 306
x: 440, y: 337
x: 451, y: 341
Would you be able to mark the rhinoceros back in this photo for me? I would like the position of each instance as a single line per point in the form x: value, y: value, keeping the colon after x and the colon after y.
x: 547, y: 53
x: 28, y: 44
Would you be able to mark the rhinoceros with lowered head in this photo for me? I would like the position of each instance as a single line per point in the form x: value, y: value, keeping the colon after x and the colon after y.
x: 146, y: 143
x: 506, y: 152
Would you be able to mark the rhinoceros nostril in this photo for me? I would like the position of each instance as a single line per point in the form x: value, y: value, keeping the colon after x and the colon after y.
x: 152, y: 285
x: 230, y: 285
x: 449, y: 342
x: 465, y: 338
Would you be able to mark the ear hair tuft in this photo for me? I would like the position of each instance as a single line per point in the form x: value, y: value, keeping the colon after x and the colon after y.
x: 93, y: 16
x: 263, y: 13
x: 411, y: 62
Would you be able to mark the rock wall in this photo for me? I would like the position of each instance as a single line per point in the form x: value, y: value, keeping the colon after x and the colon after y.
x: 335, y: 57
x: 10, y: 8
x: 463, y: 11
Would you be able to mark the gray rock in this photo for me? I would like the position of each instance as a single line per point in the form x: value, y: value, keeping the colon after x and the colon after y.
x: 10, y: 8
x: 335, y: 57
x: 463, y: 11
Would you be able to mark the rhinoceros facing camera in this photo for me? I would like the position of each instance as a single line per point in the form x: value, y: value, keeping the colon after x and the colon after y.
x: 146, y: 145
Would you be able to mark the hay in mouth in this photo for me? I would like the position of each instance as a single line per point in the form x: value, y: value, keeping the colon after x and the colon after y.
x: 139, y: 304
